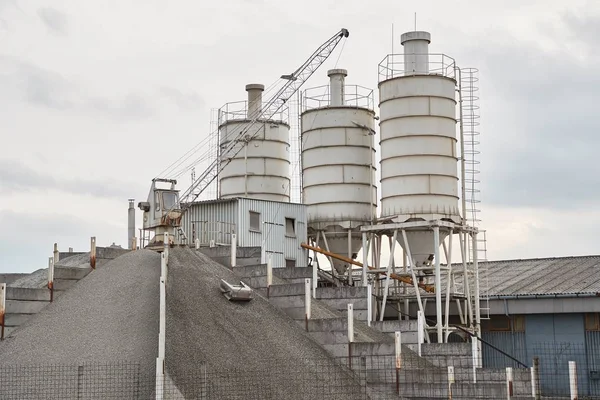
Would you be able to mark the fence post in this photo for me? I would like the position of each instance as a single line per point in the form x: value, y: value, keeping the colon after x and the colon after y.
x: 55, y: 253
x: 163, y: 267
x: 160, y: 378
x: 197, y: 242
x: 269, y: 275
x: 307, y: 297
x: 475, y: 357
x: 350, y: 333
x: 166, y: 246
x: 315, y: 279
x: 234, y: 250
x: 573, y: 379
x: 420, y: 330
x: 51, y: 277
x: 450, y: 380
x: 93, y: 252
x: 535, y: 379
x: 398, y: 346
x: 2, y: 308
x: 509, y: 383
x: 369, y: 304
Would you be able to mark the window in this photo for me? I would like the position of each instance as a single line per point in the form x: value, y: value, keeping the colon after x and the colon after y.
x: 502, y: 323
x: 290, y: 263
x: 169, y: 200
x: 290, y: 227
x: 157, y: 201
x: 254, y: 221
x: 592, y: 322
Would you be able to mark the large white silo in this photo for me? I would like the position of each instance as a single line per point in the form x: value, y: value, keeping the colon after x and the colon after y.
x: 419, y: 171
x: 338, y: 176
x: 262, y: 169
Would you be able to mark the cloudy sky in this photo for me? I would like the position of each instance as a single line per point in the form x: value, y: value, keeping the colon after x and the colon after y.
x: 96, y: 98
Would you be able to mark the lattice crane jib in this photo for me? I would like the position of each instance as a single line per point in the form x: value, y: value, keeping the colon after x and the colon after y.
x: 291, y: 83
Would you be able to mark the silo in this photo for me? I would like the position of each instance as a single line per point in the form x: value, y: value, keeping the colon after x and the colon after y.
x: 338, y: 181
x: 262, y: 169
x: 419, y: 171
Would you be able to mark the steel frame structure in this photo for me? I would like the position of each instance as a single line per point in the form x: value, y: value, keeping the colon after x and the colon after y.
x: 456, y: 283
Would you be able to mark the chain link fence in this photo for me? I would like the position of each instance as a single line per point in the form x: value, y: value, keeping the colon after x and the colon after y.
x: 434, y: 376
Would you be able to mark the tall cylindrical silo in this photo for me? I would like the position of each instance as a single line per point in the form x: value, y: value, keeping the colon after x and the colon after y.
x: 338, y: 181
x: 419, y: 171
x: 262, y: 169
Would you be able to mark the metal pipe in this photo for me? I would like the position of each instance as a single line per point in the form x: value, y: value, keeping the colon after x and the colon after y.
x: 350, y: 324
x: 2, y: 308
x: 336, y: 86
x: 93, y: 252
x: 254, y: 99
x: 307, y: 297
x: 573, y: 380
x: 56, y: 254
x: 365, y: 247
x: 234, y: 250
x: 369, y: 304
x: 131, y: 225
x: 51, y: 277
x: 476, y: 294
x: 350, y: 281
x: 438, y: 284
x: 448, y: 279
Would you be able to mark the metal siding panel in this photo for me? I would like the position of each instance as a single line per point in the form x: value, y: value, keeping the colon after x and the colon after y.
x: 512, y: 343
x: 211, y: 220
x: 276, y: 243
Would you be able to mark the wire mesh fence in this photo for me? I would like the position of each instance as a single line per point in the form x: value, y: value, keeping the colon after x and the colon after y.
x: 556, y: 371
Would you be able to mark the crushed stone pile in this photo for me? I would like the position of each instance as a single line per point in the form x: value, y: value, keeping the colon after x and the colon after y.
x: 36, y: 280
x: 252, y: 350
x: 110, y: 316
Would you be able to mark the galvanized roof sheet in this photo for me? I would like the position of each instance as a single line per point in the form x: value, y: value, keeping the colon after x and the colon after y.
x: 542, y: 276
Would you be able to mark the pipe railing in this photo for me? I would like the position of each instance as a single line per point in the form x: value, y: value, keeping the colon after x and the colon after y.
x: 238, y: 111
x: 354, y: 96
x: 394, y: 66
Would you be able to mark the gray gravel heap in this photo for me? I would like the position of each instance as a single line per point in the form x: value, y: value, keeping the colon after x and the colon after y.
x: 109, y: 316
x: 252, y: 350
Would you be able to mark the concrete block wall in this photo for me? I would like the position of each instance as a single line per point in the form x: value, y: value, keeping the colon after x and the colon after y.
x: 338, y: 298
x: 22, y: 304
x: 407, y: 327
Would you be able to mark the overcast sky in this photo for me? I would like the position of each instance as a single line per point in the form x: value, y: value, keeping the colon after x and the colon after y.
x: 96, y: 98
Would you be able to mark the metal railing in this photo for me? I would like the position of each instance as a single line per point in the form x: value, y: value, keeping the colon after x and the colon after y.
x: 238, y: 111
x: 207, y: 231
x: 394, y: 66
x: 354, y: 96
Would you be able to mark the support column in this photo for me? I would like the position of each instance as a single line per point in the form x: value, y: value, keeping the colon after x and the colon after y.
x: 438, y: 284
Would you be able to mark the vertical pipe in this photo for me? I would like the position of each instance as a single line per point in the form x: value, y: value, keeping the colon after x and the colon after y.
x: 254, y: 99
x: 314, y: 279
x: 307, y: 287
x: 389, y: 273
x: 475, y: 357
x: 509, y: 383
x: 369, y: 304
x: 197, y: 243
x: 131, y: 225
x: 93, y: 252
x: 166, y: 243
x: 535, y: 379
x: 2, y: 308
x: 466, y: 280
x: 163, y: 266
x: 476, y: 294
x: 420, y: 330
x: 160, y: 378
x: 438, y: 284
x: 450, y: 380
x: 573, y: 380
x: 51, y: 277
x: 337, y: 86
x: 350, y: 279
x: 269, y: 275
x: 448, y: 279
x: 162, y: 319
x: 365, y: 255
x: 56, y: 254
x: 234, y: 250
x: 350, y: 324
x: 404, y: 285
x: 398, y: 348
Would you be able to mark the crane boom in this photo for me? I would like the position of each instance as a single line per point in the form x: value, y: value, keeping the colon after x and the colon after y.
x: 292, y: 83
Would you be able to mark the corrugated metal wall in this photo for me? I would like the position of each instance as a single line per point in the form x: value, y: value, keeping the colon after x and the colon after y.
x: 272, y: 218
x: 216, y: 220
x: 211, y: 220
x: 512, y: 343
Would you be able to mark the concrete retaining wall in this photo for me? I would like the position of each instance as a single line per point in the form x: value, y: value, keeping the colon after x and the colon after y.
x: 407, y: 327
x: 22, y: 304
x: 338, y: 298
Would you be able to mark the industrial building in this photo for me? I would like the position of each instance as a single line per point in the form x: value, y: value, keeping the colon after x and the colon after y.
x: 239, y: 303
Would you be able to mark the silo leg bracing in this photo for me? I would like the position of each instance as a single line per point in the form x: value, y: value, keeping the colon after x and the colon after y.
x: 337, y: 125
x: 419, y: 183
x: 262, y: 169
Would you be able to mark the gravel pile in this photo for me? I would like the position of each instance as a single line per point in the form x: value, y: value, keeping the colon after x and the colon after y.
x: 110, y: 316
x: 252, y: 350
x: 36, y: 280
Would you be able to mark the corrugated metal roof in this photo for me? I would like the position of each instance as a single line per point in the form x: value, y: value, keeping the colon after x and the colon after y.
x: 543, y: 276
